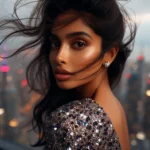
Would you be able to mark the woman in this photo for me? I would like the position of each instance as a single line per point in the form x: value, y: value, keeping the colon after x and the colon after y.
x: 81, y: 57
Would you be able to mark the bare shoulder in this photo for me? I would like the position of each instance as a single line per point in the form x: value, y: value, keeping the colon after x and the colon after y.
x: 119, y: 121
x: 116, y: 114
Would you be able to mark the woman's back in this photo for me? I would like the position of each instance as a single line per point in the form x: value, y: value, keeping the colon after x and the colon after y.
x: 80, y: 125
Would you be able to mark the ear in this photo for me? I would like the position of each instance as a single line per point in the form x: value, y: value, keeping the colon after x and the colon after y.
x: 111, y: 54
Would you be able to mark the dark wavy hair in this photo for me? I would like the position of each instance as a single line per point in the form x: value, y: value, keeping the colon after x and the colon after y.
x: 106, y: 19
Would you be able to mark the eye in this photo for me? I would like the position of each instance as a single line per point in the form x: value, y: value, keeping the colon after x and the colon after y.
x: 55, y: 44
x: 79, y: 45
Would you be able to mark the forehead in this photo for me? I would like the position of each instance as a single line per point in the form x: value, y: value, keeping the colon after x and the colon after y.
x: 70, y: 22
x: 67, y: 15
x: 75, y: 26
x: 64, y: 19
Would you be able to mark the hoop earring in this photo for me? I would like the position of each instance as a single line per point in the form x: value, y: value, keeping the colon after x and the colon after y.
x: 107, y: 64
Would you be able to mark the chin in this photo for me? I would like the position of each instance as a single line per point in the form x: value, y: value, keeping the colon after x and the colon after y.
x: 64, y: 86
x: 67, y: 85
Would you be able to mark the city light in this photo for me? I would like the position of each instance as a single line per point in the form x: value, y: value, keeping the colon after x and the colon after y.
x: 20, y: 71
x: 9, y: 78
x: 133, y: 142
x: 140, y: 57
x: 148, y: 81
x: 128, y: 75
x: 148, y: 93
x: 1, y: 59
x: 4, y: 68
x: 13, y: 123
x: 140, y: 135
x: 2, y: 111
x: 24, y: 83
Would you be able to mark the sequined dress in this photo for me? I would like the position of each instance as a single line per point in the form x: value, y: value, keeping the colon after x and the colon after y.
x: 80, y: 125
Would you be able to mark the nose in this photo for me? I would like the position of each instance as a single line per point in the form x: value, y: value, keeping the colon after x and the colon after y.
x: 62, y: 55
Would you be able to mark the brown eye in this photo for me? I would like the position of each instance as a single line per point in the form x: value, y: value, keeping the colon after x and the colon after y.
x: 79, y: 45
x: 55, y: 44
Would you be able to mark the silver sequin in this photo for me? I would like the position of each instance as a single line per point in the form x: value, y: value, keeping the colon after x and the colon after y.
x: 80, y: 125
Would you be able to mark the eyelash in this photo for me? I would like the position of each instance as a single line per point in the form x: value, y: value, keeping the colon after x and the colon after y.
x: 74, y: 45
x: 80, y: 42
x: 55, y: 43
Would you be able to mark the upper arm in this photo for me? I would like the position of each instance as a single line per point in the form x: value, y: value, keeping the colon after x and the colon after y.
x: 95, y: 129
x: 81, y: 125
x: 122, y: 129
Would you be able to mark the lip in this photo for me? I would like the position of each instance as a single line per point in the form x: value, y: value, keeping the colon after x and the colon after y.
x: 63, y: 77
x: 62, y: 71
x: 62, y: 74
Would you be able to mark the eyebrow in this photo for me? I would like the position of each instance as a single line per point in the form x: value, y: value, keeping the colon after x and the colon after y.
x: 74, y: 34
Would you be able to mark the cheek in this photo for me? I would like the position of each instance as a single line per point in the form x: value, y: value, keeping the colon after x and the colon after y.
x: 87, y: 58
x: 87, y: 64
x: 51, y: 58
x: 52, y: 61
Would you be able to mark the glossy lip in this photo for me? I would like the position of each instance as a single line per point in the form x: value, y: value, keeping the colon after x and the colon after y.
x: 62, y: 71
x: 63, y: 77
x: 62, y: 74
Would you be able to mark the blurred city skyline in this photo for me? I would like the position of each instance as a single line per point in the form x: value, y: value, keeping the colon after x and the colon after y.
x: 17, y: 103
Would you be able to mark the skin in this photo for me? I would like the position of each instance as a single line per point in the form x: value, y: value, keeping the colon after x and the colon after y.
x: 73, y: 51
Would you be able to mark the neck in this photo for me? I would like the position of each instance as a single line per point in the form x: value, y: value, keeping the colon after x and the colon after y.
x: 93, y: 89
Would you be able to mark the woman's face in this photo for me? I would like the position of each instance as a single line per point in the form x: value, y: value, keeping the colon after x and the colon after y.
x: 73, y: 48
